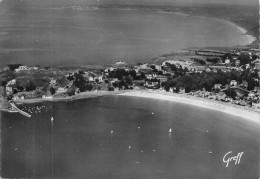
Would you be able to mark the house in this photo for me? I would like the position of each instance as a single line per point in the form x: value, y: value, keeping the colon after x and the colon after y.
x: 227, y: 61
x: 53, y: 82
x: 244, y: 84
x: 217, y: 86
x: 15, y: 97
x: 151, y: 84
x: 158, y: 67
x: 101, y: 78
x: 171, y: 89
x: 162, y: 79
x: 221, y: 96
x: 145, y: 65
x: 109, y: 69
x: 11, y: 82
x: 149, y: 76
x: 182, y: 91
x: 18, y: 96
x: 9, y: 90
x: 208, y: 70
x: 257, y: 90
x: 34, y: 68
x: 257, y: 66
x: 251, y: 95
x: 91, y: 78
x: 61, y: 90
x: 233, y: 83
x: 22, y: 68
x: 121, y: 63
x: 9, y: 86
x: 237, y: 62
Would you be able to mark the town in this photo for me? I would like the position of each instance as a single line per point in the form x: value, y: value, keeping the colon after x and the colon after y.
x: 229, y: 76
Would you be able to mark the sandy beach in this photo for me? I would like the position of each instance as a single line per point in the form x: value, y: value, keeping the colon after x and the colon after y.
x: 250, y: 114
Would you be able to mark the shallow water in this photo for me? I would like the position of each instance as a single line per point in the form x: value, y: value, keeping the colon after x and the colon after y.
x: 79, y: 142
x: 60, y: 36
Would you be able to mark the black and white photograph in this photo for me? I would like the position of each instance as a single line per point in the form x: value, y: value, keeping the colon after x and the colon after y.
x: 129, y: 89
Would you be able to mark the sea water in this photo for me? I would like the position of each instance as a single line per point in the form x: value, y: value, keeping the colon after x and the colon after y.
x: 65, y: 36
x: 78, y: 142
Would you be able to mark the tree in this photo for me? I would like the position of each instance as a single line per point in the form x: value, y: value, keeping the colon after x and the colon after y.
x: 71, y: 91
x: 80, y: 82
x: 142, y: 75
x: 12, y: 67
x: 52, y: 90
x: 62, y: 81
x: 89, y: 87
x: 244, y: 58
x: 30, y: 86
x: 133, y: 73
x: 128, y: 81
x: 173, y: 67
x: 153, y: 67
x: 231, y: 93
x: 110, y: 88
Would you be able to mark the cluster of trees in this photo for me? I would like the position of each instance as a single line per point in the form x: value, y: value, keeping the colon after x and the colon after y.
x: 178, y: 71
x: 121, y: 73
x: 201, y: 62
x: 125, y: 78
x: 213, y: 60
x: 12, y: 67
x: 243, y: 57
x: 79, y: 82
x: 198, y: 81
x: 6, y: 76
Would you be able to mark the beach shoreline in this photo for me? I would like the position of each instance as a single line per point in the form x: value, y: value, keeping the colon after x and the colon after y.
x: 83, y: 95
x: 250, y: 114
x: 247, y: 38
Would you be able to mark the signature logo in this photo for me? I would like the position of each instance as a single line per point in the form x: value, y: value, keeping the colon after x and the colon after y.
x: 229, y: 158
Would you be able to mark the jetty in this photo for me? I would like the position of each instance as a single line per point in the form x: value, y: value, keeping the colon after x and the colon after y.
x: 19, y: 110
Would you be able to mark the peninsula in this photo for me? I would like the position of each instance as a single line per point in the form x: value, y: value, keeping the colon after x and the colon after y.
x: 230, y: 75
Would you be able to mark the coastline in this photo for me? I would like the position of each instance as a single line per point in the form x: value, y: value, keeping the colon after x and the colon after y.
x: 247, y: 39
x: 249, y: 114
x: 83, y: 95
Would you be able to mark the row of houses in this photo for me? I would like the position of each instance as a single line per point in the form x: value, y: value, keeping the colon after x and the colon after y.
x: 26, y: 68
x: 252, y: 100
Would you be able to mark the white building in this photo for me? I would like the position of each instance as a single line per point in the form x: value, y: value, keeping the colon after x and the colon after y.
x: 233, y: 83
x: 20, y: 68
x: 61, y: 90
